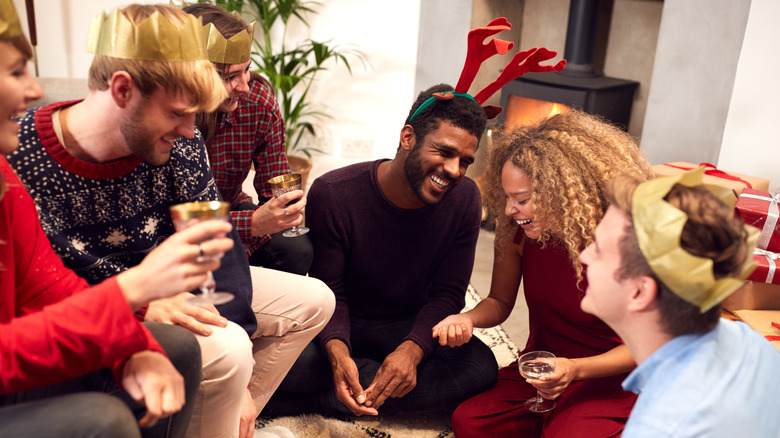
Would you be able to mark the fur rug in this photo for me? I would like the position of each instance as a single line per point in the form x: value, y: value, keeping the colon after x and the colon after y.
x: 418, y: 426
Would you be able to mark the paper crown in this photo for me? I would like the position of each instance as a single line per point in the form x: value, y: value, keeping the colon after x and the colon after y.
x: 155, y: 38
x: 522, y: 63
x: 659, y: 226
x: 235, y: 50
x: 9, y: 21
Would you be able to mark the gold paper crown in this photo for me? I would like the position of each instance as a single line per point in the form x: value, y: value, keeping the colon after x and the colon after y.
x: 155, y: 38
x: 235, y: 50
x: 9, y: 21
x: 658, y: 227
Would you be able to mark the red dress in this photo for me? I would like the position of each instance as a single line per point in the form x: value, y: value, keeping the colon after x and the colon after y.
x: 47, y: 333
x: 587, y: 408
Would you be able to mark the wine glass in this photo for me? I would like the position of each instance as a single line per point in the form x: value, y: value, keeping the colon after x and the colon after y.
x: 534, y: 365
x: 287, y: 183
x: 190, y: 213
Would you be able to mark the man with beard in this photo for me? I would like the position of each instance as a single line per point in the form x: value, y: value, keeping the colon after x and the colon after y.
x: 395, y: 241
x: 105, y: 170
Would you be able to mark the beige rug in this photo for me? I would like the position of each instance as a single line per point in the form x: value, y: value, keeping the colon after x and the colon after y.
x: 418, y: 426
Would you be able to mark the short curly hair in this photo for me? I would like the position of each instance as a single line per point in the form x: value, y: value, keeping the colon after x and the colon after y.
x: 569, y: 159
x: 461, y: 112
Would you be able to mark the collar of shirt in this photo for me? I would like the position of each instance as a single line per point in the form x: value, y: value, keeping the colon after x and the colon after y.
x: 674, y: 349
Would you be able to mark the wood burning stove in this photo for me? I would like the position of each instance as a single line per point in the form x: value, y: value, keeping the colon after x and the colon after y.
x: 537, y: 95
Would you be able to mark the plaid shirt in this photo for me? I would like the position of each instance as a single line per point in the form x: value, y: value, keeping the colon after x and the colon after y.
x: 253, y: 133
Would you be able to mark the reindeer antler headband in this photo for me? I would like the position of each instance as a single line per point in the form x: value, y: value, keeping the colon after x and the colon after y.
x: 478, y: 52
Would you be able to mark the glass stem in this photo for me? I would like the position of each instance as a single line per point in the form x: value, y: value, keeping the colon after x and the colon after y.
x: 209, y: 286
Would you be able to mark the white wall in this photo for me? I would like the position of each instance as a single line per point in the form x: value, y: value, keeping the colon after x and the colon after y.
x: 751, y: 140
x: 369, y: 105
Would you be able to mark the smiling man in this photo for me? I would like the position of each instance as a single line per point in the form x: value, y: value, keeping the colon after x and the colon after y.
x: 395, y: 240
x: 666, y: 253
x: 105, y: 170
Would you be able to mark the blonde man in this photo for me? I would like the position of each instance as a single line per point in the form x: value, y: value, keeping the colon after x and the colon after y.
x: 105, y: 170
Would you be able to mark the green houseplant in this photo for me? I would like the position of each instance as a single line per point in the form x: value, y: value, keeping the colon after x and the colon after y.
x: 292, y: 66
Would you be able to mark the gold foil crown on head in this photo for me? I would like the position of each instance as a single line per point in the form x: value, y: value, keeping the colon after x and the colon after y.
x: 658, y: 225
x: 9, y: 21
x: 235, y: 50
x: 155, y: 38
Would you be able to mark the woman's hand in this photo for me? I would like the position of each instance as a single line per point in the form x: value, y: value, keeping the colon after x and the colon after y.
x: 553, y: 385
x: 454, y: 330
x: 178, y: 264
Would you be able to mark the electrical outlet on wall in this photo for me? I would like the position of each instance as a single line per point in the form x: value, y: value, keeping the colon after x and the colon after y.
x: 322, y: 145
x: 357, y: 148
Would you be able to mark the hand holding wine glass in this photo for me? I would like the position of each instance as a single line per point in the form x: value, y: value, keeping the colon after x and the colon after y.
x: 535, y: 365
x: 188, y: 214
x: 286, y: 183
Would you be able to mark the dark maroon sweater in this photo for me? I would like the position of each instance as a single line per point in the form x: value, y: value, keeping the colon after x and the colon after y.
x: 386, y: 263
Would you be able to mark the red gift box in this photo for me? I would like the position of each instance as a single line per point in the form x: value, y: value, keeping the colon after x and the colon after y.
x: 767, y: 267
x: 760, y: 209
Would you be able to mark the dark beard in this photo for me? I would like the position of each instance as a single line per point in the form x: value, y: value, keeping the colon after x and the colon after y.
x: 416, y: 176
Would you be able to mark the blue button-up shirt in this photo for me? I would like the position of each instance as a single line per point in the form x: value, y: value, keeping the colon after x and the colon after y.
x: 724, y: 383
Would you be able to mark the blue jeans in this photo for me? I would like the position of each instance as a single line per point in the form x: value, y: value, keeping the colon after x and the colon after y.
x: 444, y: 379
x: 94, y: 406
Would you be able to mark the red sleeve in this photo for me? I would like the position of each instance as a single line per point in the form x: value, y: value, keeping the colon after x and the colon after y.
x: 49, y: 333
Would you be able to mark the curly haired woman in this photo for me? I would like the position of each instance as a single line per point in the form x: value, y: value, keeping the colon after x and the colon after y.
x: 549, y: 180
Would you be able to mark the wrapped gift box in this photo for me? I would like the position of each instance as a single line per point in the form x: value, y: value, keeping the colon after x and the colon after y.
x: 761, y: 321
x: 732, y: 180
x: 754, y: 295
x: 760, y: 209
x: 766, y: 272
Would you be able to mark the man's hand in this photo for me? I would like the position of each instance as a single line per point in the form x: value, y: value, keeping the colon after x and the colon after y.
x: 150, y: 378
x: 177, y: 310
x: 270, y: 218
x: 454, y: 330
x: 246, y: 427
x: 396, y: 376
x: 346, y: 379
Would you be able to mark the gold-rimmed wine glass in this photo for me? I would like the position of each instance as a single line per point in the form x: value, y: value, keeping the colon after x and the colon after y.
x: 188, y: 214
x: 287, y: 183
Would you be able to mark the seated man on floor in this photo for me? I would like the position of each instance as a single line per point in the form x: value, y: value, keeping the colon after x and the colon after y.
x: 104, y: 172
x: 247, y: 129
x: 395, y: 241
x: 666, y: 253
x: 68, y: 351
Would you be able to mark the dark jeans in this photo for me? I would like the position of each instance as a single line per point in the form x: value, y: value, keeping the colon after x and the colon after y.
x: 94, y: 406
x: 444, y: 379
x: 288, y: 254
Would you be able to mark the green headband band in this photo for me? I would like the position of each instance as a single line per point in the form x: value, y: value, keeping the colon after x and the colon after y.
x: 432, y: 99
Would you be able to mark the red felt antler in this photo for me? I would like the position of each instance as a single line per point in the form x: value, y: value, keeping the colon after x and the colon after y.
x: 478, y: 52
x: 522, y: 63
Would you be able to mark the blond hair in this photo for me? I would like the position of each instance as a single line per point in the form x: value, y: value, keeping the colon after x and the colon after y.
x: 196, y: 79
x: 569, y: 159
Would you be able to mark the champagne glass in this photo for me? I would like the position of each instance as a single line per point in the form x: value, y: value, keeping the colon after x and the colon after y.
x: 190, y: 213
x: 287, y: 183
x: 534, y: 365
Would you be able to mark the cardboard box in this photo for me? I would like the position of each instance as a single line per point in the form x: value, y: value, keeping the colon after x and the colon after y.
x: 760, y: 210
x: 753, y: 295
x: 761, y: 321
x: 732, y: 180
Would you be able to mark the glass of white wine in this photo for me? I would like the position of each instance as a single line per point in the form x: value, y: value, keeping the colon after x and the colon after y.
x: 188, y: 214
x: 287, y: 183
x: 534, y: 365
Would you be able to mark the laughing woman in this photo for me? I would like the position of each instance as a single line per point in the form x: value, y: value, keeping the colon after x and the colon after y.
x: 548, y: 180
